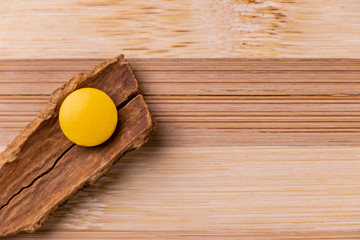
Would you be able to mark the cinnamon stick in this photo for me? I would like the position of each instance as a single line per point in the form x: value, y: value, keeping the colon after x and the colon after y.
x: 41, y: 168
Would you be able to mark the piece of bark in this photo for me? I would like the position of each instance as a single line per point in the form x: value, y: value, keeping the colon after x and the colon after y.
x: 41, y: 168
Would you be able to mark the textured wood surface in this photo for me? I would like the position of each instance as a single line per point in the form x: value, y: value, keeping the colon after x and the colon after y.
x: 179, y: 28
x: 281, y: 161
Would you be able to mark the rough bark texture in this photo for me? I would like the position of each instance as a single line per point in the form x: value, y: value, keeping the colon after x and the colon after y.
x: 41, y: 168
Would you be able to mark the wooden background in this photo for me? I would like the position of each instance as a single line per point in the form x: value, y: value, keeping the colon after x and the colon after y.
x: 246, y: 148
x: 179, y: 28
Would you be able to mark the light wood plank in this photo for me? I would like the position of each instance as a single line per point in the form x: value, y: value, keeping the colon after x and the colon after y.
x: 179, y: 28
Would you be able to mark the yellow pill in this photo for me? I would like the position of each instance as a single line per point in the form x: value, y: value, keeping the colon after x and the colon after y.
x: 88, y: 117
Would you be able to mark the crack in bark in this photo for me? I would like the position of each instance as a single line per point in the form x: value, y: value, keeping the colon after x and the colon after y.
x: 127, y: 100
x: 38, y: 177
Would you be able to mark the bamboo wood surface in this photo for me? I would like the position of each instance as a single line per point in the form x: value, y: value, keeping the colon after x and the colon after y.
x: 280, y: 161
x: 250, y: 149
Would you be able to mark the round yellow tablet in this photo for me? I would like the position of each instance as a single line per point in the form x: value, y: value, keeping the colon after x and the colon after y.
x: 88, y: 117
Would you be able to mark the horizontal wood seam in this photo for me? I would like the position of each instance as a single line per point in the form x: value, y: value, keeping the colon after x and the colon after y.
x: 207, y: 95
